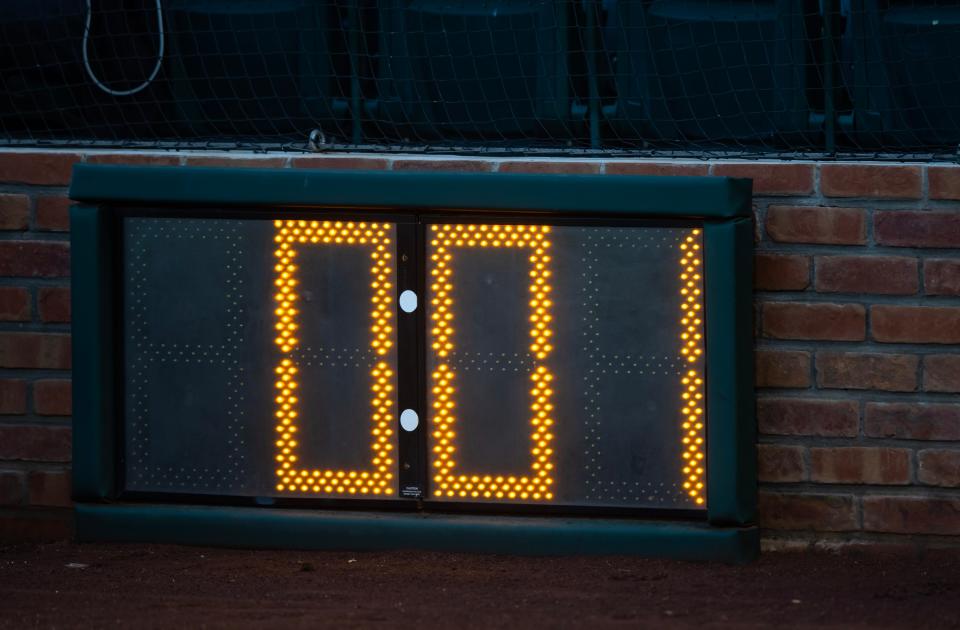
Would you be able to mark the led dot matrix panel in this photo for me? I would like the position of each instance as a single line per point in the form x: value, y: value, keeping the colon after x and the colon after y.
x: 546, y: 358
x: 214, y: 309
x: 551, y: 369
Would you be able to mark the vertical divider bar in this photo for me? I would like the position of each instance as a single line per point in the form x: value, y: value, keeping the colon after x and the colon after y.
x: 410, y: 364
x: 422, y: 282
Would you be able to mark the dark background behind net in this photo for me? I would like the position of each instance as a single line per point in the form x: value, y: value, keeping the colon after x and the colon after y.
x: 874, y: 78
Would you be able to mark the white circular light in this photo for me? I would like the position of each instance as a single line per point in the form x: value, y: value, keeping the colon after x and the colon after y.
x: 409, y: 420
x: 408, y: 301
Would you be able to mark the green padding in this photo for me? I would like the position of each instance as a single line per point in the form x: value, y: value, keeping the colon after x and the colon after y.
x: 583, y: 195
x: 731, y: 425
x: 301, y: 529
x: 91, y: 264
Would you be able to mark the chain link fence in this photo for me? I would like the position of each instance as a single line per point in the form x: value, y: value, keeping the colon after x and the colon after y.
x: 746, y: 78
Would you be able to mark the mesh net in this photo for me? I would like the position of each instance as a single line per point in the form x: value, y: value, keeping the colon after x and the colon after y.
x: 639, y: 77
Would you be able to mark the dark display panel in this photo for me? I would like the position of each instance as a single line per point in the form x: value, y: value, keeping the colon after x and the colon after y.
x: 566, y: 365
x: 260, y: 357
x: 562, y: 365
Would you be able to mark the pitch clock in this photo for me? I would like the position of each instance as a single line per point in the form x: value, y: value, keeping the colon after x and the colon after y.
x: 414, y: 353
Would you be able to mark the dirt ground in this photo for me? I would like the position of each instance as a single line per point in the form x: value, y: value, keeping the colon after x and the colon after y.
x: 150, y: 586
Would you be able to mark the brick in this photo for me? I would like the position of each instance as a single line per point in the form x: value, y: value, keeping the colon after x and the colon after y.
x: 14, y: 304
x: 818, y: 225
x: 912, y: 421
x: 781, y: 272
x: 757, y: 306
x: 35, y: 443
x: 52, y: 397
x: 777, y: 463
x: 941, y: 276
x: 44, y: 351
x: 34, y: 259
x: 13, y: 397
x: 135, y: 159
x: 939, y: 467
x: 871, y: 180
x: 11, y: 488
x: 545, y: 167
x: 943, y: 182
x: 45, y: 169
x: 32, y: 527
x: 53, y: 214
x: 798, y: 320
x: 237, y: 162
x: 757, y: 224
x: 14, y: 212
x: 446, y: 166
x: 915, y: 324
x: 886, y: 466
x: 850, y: 370
x: 887, y: 275
x: 803, y: 416
x: 782, y: 368
x: 340, y: 163
x: 771, y: 178
x: 912, y: 515
x: 54, y: 304
x: 917, y: 229
x: 818, y: 512
x: 655, y: 168
x: 49, y: 489
x: 941, y: 373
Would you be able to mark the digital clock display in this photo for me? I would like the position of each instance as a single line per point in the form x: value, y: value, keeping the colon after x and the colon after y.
x: 534, y: 363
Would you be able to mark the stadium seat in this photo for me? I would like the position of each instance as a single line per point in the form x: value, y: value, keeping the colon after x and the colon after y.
x: 484, y: 69
x: 906, y: 73
x: 728, y: 70
x: 250, y: 67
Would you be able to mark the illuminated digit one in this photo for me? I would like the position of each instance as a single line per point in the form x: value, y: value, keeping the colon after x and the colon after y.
x: 293, y: 477
x: 691, y: 291
x: 537, y: 485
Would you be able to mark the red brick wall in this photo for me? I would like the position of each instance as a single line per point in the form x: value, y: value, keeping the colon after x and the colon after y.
x: 857, y: 291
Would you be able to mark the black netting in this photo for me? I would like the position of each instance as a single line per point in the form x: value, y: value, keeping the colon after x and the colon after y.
x: 633, y: 77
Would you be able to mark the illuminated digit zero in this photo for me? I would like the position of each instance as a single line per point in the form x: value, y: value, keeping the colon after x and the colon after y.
x: 291, y: 478
x: 691, y: 276
x: 447, y: 483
